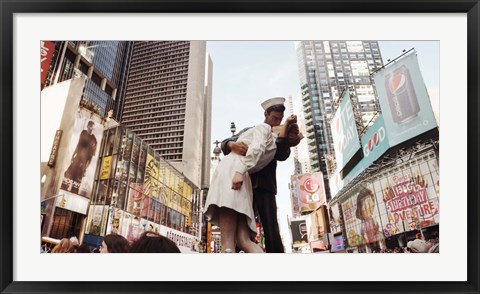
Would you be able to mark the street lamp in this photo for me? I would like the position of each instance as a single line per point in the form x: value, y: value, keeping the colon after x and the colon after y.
x: 232, y: 128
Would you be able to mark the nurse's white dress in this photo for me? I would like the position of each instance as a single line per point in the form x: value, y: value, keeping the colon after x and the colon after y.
x: 261, y: 150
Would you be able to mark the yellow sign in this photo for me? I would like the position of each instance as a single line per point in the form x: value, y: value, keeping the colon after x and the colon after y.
x: 107, y: 162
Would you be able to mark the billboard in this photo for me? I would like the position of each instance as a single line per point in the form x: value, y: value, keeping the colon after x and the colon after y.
x: 316, y: 224
x: 81, y: 161
x: 334, y: 218
x: 404, y: 100
x: 361, y: 216
x: 337, y: 244
x: 299, y: 232
x: 408, y: 198
x: 310, y: 190
x: 344, y: 132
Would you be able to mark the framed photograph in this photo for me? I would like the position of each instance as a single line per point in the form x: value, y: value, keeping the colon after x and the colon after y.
x: 24, y: 269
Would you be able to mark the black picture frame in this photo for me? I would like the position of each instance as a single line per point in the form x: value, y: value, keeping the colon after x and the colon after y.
x: 10, y: 7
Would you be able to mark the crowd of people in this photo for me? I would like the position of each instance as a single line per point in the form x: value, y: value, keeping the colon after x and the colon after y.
x: 149, y: 242
x: 418, y: 245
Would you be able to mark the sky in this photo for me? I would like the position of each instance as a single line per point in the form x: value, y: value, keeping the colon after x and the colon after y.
x: 245, y: 73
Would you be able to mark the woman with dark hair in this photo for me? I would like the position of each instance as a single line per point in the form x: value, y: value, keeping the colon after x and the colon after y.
x: 365, y: 208
x: 114, y: 243
x: 151, y: 242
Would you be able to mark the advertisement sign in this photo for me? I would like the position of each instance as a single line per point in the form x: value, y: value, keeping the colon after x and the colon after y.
x: 46, y: 53
x: 334, y: 218
x: 337, y: 244
x: 375, y: 143
x: 97, y: 219
x: 151, y: 183
x: 344, y: 132
x: 316, y: 225
x: 81, y: 164
x: 404, y: 100
x: 106, y: 165
x: 310, y: 191
x: 409, y: 200
x: 56, y: 143
x: 299, y: 232
x: 361, y: 216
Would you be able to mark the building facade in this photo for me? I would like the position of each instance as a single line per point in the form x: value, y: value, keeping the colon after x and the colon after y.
x: 168, y: 102
x: 105, y: 65
x: 326, y: 69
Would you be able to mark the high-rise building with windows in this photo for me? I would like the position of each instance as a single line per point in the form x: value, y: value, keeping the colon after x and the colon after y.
x: 326, y: 69
x: 168, y: 102
x: 104, y: 63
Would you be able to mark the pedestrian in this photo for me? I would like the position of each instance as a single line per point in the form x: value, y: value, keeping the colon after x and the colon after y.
x: 114, y: 243
x: 82, y: 249
x: 64, y: 246
x: 152, y: 242
x: 230, y: 201
x: 263, y: 181
x: 418, y: 245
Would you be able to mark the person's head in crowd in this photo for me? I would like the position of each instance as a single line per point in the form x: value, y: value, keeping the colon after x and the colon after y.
x: 151, y: 242
x: 64, y: 246
x: 82, y: 249
x: 74, y: 241
x: 418, y: 246
x: 114, y: 243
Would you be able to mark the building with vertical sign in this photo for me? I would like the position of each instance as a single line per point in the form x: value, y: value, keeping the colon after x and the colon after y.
x: 392, y: 193
x: 106, y: 179
x: 326, y: 69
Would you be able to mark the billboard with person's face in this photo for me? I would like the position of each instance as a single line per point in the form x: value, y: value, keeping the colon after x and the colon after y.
x: 81, y: 160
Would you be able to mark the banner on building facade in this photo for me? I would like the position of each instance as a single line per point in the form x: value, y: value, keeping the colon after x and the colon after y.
x: 334, y: 218
x: 82, y: 155
x: 361, y: 216
x: 151, y: 184
x: 47, y: 49
x: 338, y: 244
x: 344, y: 132
x: 410, y: 198
x: 316, y: 224
x: 404, y: 100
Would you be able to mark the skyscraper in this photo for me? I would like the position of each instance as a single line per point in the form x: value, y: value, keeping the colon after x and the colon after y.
x: 300, y: 152
x: 104, y: 63
x: 168, y: 101
x: 327, y: 68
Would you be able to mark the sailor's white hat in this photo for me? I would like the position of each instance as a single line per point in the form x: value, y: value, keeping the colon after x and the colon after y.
x: 273, y: 101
